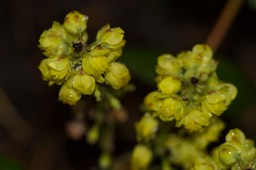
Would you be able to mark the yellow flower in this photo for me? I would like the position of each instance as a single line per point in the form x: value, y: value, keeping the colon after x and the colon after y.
x: 169, y: 85
x: 171, y: 108
x: 236, y: 138
x: 117, y: 75
x: 94, y: 65
x: 146, y: 127
x: 75, y: 22
x: 152, y: 101
x: 69, y: 95
x: 167, y: 64
x: 215, y: 102
x: 195, y: 120
x: 83, y: 83
x: 111, y: 37
x: 55, y: 68
x: 53, y: 41
x: 141, y: 157
x: 228, y: 154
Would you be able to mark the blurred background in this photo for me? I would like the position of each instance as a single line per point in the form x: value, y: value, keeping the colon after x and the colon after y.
x: 33, y: 122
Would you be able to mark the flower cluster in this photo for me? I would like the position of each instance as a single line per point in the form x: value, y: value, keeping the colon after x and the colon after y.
x: 189, y: 90
x: 78, y: 66
x: 236, y: 153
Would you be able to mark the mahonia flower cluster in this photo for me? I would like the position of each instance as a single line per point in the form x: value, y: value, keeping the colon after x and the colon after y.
x: 189, y: 90
x: 77, y: 66
x: 235, y: 153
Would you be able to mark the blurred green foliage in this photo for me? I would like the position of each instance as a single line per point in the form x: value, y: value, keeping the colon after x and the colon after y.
x: 7, y: 164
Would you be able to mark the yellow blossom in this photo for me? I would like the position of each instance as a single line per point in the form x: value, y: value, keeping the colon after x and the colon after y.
x: 152, y: 101
x: 94, y: 65
x: 167, y: 64
x: 75, y: 22
x: 83, y: 83
x: 53, y: 41
x: 171, y: 108
x: 69, y: 95
x: 141, y: 157
x: 117, y: 75
x: 146, y: 127
x: 169, y: 85
x: 55, y: 68
x: 215, y: 102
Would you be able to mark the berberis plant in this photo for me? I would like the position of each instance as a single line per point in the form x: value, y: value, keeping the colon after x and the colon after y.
x: 182, y: 116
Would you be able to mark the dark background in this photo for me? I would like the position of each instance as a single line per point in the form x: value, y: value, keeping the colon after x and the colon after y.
x: 32, y: 126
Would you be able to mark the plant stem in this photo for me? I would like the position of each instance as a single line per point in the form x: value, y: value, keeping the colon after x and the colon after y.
x: 223, y: 23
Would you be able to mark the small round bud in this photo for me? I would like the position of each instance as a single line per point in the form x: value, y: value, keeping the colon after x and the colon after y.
x: 167, y: 64
x: 171, y: 108
x: 110, y: 36
x: 152, y: 101
x: 93, y: 135
x: 169, y: 85
x: 55, y: 68
x: 141, y: 157
x: 105, y: 161
x: 200, y: 118
x: 117, y: 75
x: 146, y: 127
x: 236, y: 138
x: 228, y: 154
x: 215, y: 103
x: 83, y: 83
x: 69, y: 95
x: 75, y: 22
x: 53, y: 41
x: 94, y: 65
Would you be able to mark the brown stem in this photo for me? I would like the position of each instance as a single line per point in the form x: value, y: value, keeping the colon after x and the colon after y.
x: 223, y: 23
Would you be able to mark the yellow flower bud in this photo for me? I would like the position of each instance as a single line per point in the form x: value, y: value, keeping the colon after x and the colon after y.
x: 117, y: 75
x: 200, y: 117
x: 152, y: 101
x: 215, y: 103
x: 190, y: 124
x: 171, y: 108
x: 167, y: 64
x: 141, y: 157
x: 69, y: 95
x: 249, y: 151
x: 228, y: 155
x: 93, y: 134
x: 83, y: 83
x: 229, y: 90
x: 146, y: 127
x: 105, y: 161
x: 236, y: 138
x: 55, y: 68
x: 169, y: 85
x: 94, y: 65
x: 111, y: 36
x: 202, y: 53
x: 53, y: 41
x: 75, y: 22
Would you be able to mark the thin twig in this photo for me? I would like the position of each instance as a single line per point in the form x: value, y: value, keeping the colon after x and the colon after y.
x: 223, y: 23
